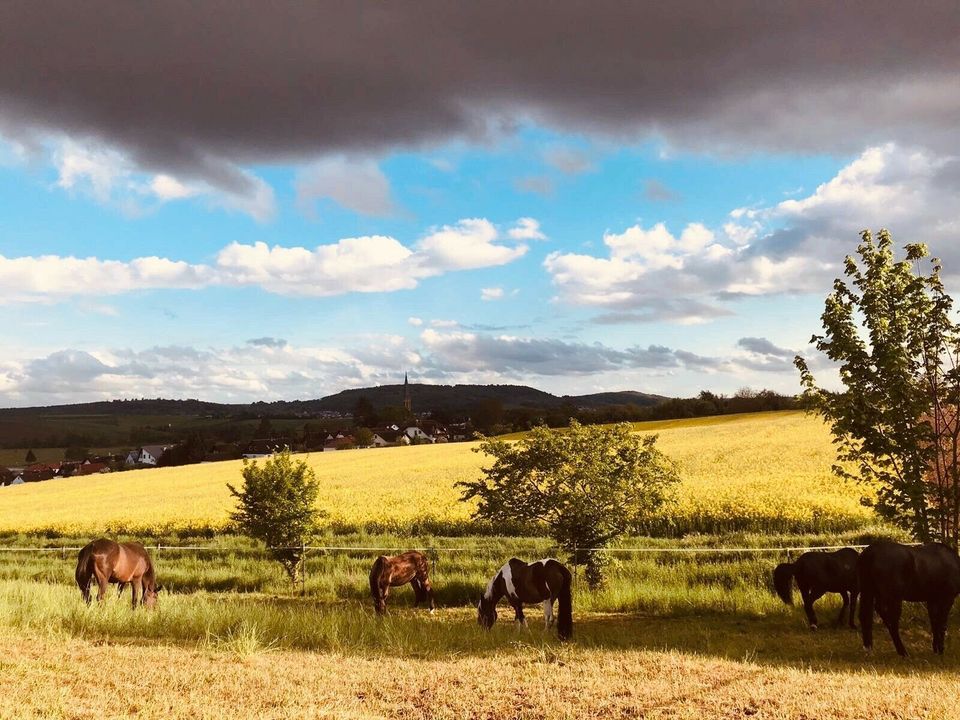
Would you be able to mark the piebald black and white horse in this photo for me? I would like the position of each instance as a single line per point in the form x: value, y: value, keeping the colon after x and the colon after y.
x: 543, y: 581
x: 891, y: 573
x: 816, y: 574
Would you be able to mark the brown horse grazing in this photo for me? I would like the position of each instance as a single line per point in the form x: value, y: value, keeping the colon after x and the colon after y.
x: 121, y: 563
x: 543, y: 581
x: 395, y: 570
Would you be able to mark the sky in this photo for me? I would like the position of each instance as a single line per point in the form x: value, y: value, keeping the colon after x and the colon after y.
x: 249, y: 201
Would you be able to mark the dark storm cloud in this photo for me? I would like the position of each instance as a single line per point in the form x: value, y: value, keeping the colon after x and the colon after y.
x: 197, y: 89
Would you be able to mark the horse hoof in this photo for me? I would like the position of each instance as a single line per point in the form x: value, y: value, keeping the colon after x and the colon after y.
x: 813, y: 626
x: 432, y: 611
x: 867, y: 650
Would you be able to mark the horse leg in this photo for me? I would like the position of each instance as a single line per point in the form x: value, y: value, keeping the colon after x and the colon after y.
x: 939, y: 611
x: 853, y: 608
x: 417, y: 591
x: 518, y: 609
x: 547, y: 613
x: 136, y: 588
x: 866, y: 619
x: 427, y: 592
x: 843, y: 610
x: 102, y: 581
x: 120, y: 587
x: 384, y: 587
x: 890, y: 613
x: 809, y: 598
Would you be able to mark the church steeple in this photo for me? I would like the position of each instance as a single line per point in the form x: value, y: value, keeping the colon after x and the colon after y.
x: 407, y: 401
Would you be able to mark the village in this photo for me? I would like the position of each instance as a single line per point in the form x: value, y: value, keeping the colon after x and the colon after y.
x: 416, y: 430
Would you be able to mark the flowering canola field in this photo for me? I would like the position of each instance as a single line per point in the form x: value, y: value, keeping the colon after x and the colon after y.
x: 761, y: 472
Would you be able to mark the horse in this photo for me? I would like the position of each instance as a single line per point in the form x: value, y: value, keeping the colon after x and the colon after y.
x: 543, y: 581
x: 818, y: 573
x: 395, y: 570
x: 121, y: 563
x: 891, y: 573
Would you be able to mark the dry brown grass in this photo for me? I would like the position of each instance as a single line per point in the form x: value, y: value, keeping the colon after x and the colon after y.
x: 78, y: 679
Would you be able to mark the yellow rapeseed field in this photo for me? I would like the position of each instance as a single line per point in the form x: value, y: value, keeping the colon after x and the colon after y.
x: 753, y: 472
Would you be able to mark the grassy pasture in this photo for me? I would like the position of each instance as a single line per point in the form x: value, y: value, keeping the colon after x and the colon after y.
x: 767, y: 472
x: 672, y: 637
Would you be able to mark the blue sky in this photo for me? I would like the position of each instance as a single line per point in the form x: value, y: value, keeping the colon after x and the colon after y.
x: 621, y: 252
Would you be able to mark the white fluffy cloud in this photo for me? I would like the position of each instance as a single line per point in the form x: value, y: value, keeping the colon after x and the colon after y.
x: 374, y: 263
x: 491, y: 293
x: 795, y: 246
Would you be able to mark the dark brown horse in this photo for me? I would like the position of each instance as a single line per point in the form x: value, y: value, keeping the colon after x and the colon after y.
x: 891, y: 573
x: 121, y: 563
x: 818, y: 573
x: 543, y: 581
x: 394, y: 570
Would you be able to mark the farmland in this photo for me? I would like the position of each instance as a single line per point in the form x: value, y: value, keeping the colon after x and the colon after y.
x: 673, y: 634
x: 768, y: 472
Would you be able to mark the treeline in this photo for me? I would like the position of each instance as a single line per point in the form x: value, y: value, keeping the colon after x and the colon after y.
x: 491, y: 418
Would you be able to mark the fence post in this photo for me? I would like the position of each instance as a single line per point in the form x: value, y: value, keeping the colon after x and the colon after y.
x: 576, y: 566
x: 303, y: 560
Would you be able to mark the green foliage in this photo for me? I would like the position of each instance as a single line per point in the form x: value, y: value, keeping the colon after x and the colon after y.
x: 277, y: 506
x: 890, y: 331
x: 363, y: 437
x: 76, y: 453
x: 587, y: 485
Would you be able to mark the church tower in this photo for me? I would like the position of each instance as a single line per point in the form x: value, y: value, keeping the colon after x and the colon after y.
x: 407, y: 401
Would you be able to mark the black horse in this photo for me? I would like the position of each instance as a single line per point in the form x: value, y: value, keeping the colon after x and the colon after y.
x: 891, y: 573
x: 543, y: 581
x: 818, y: 573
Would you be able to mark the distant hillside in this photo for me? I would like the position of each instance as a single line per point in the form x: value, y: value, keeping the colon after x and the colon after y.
x: 450, y: 398
x: 624, y: 397
x: 132, y: 422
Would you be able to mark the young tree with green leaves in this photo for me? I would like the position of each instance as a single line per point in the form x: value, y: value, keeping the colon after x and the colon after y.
x: 277, y: 504
x: 890, y: 329
x: 587, y: 485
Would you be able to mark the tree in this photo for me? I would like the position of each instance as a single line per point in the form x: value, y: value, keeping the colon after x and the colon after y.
x: 265, y: 428
x: 277, y: 505
x: 363, y: 412
x: 587, y: 485
x: 76, y: 452
x: 895, y: 422
x: 363, y: 437
x: 30, y: 457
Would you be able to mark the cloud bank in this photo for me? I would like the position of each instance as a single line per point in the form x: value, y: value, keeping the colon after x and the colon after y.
x: 375, y: 263
x: 200, y: 91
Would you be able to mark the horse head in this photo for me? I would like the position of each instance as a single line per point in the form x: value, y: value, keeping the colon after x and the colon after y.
x: 150, y: 596
x: 486, y: 612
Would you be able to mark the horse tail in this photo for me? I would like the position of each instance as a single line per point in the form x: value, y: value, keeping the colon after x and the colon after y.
x: 565, y: 607
x: 375, y: 574
x: 783, y: 582
x: 82, y: 573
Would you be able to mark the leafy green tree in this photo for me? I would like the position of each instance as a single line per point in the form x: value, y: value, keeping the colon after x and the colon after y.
x: 363, y: 437
x: 890, y: 329
x: 277, y: 505
x: 587, y: 485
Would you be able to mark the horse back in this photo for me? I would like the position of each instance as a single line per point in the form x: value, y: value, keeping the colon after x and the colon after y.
x: 132, y: 562
x: 913, y: 573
